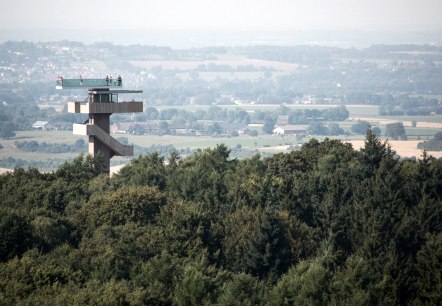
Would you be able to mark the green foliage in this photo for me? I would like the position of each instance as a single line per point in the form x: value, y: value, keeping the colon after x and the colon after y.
x: 34, y: 146
x: 50, y: 231
x: 242, y: 289
x: 129, y: 204
x: 377, y: 131
x: 434, y: 144
x: 186, y: 230
x: 6, y: 130
x: 146, y: 170
x: 80, y: 169
x: 395, y: 131
x: 317, y: 128
x: 269, y: 124
x: 200, y: 178
x: 304, y: 284
x: 360, y: 127
x: 347, y: 286
x: 266, y: 254
x: 239, y: 228
x: 199, y: 284
x: 24, y: 188
x: 334, y: 129
x: 15, y: 234
x: 158, y: 278
x: 374, y: 151
x: 325, y: 225
x: 429, y: 272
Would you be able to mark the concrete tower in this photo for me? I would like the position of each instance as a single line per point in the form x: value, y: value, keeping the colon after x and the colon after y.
x: 102, y: 101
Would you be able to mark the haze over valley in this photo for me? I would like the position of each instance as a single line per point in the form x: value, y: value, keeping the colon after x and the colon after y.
x: 284, y: 152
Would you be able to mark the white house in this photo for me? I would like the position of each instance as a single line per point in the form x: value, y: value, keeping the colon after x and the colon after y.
x: 289, y: 130
x: 42, y: 125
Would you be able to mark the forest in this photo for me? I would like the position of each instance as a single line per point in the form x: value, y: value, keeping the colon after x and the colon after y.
x: 325, y: 225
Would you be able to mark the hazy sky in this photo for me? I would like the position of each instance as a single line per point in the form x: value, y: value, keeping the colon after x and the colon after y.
x: 297, y: 15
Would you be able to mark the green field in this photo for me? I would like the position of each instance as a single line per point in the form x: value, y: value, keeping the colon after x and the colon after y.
x: 9, y: 149
x: 47, y: 136
x: 195, y: 142
x: 231, y: 76
x: 261, y: 142
x: 179, y: 142
x: 434, y: 119
x: 422, y: 133
x: 354, y: 110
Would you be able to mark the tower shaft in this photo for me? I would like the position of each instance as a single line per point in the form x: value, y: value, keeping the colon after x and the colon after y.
x: 98, y: 147
x: 101, y: 103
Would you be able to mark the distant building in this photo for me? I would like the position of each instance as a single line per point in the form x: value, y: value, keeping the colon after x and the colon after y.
x: 42, y: 125
x: 178, y: 128
x: 289, y: 130
x: 148, y: 127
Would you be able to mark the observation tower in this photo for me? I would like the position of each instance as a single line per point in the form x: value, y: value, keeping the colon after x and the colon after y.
x: 102, y: 101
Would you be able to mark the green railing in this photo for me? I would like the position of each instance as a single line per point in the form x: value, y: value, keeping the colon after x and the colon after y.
x: 88, y: 83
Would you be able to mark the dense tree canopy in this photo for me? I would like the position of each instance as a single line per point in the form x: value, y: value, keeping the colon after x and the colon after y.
x: 395, y: 131
x: 325, y: 225
x: 434, y: 144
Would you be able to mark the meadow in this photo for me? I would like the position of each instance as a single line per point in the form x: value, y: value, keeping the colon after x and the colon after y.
x: 358, y: 110
x: 231, y: 76
x: 426, y: 127
x: 260, y: 143
x: 232, y: 61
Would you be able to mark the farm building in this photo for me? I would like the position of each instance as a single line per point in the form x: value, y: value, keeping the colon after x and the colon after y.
x: 42, y: 125
x: 289, y: 130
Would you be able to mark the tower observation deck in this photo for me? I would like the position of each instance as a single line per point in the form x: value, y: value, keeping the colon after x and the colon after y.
x: 102, y: 101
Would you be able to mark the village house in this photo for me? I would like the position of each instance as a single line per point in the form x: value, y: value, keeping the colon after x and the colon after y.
x: 178, y: 128
x: 42, y: 125
x: 289, y: 130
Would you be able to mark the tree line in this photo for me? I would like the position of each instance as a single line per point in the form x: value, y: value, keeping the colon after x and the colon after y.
x: 434, y: 144
x: 325, y: 225
x: 34, y: 146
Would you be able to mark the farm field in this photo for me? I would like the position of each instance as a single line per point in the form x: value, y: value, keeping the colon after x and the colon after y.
x: 234, y: 75
x: 260, y: 143
x: 420, y: 133
x: 358, y: 110
x: 57, y: 106
x: 426, y: 127
x: 432, y: 122
x: 180, y: 142
x: 402, y: 148
x: 234, y: 62
x: 45, y: 136
x: 9, y: 149
x: 435, y: 119
x: 195, y: 142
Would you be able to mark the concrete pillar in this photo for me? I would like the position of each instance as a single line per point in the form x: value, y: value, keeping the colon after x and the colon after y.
x: 96, y: 147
